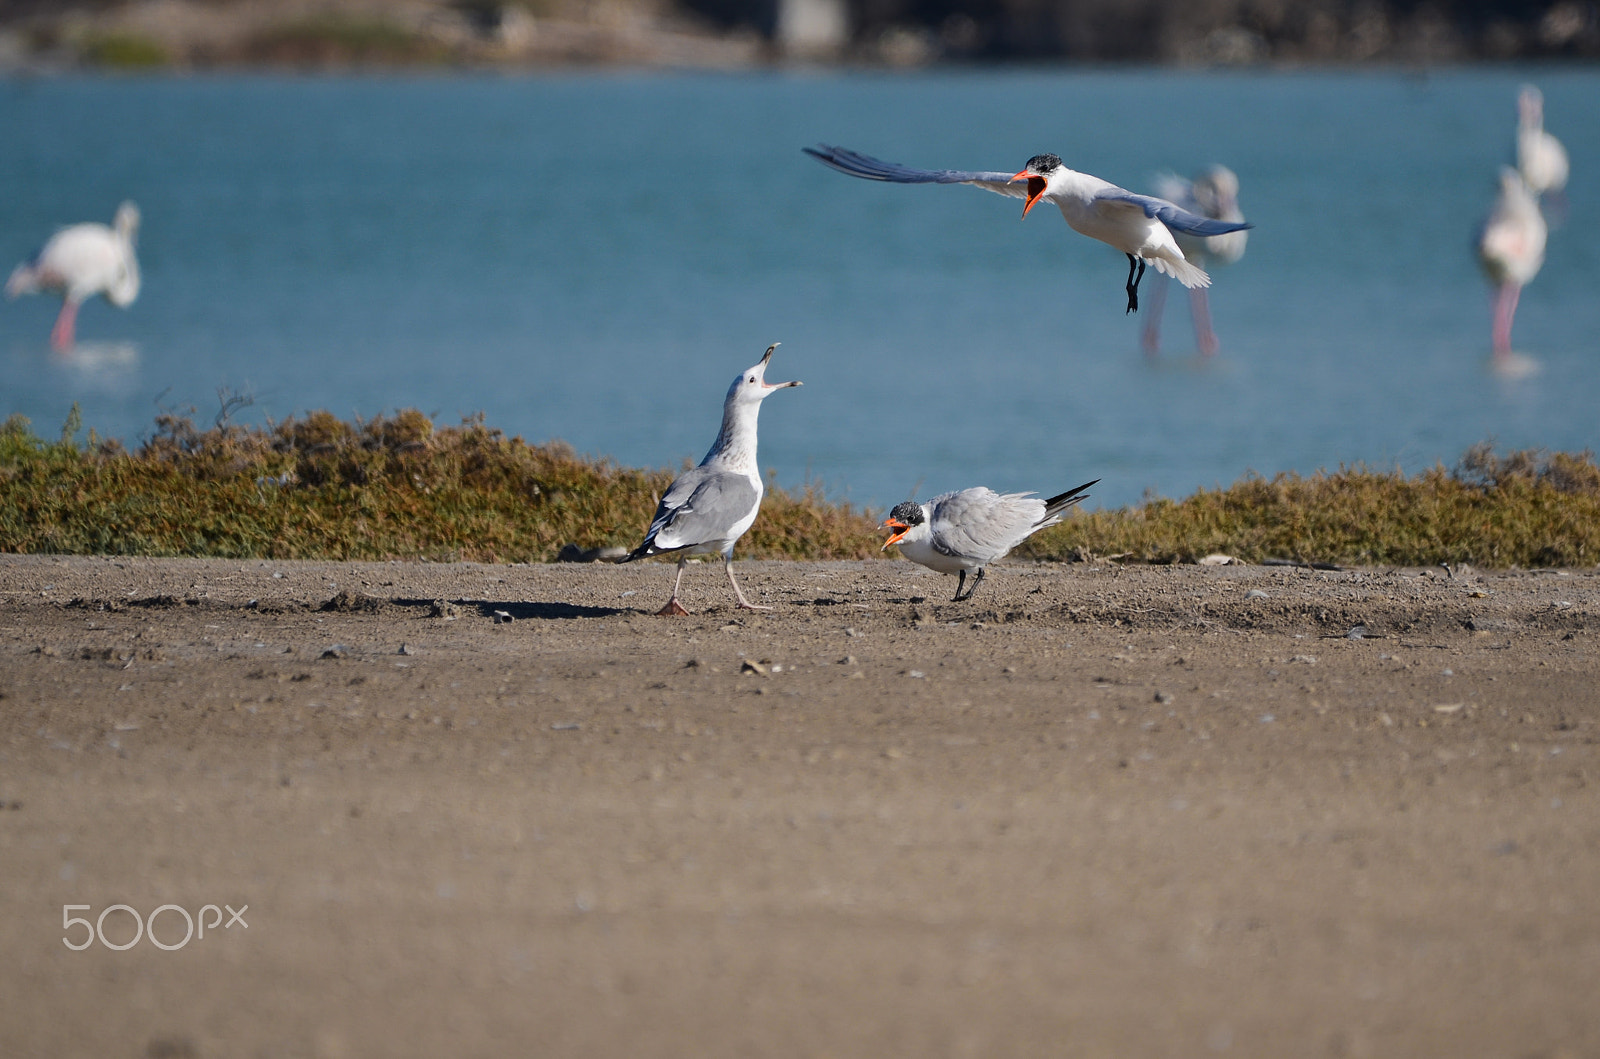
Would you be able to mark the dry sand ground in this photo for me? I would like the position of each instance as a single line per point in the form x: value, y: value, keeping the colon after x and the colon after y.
x: 1099, y: 811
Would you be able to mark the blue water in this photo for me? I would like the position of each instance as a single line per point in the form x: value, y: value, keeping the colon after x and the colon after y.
x: 593, y: 257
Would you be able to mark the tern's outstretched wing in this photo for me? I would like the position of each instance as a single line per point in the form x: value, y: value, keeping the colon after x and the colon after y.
x: 701, y: 507
x: 868, y: 168
x: 1169, y: 214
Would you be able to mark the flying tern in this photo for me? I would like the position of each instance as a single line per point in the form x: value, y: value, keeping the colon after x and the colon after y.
x: 969, y: 529
x: 1141, y: 226
x: 79, y: 262
x: 709, y: 508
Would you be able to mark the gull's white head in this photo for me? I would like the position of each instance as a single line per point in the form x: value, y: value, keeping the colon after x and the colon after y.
x: 752, y: 387
x: 1038, y: 173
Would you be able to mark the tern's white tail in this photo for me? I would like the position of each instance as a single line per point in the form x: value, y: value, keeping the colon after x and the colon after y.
x: 1185, y: 272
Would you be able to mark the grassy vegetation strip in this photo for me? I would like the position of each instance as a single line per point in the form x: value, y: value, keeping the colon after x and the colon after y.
x: 399, y: 487
x: 1525, y: 509
x: 321, y: 488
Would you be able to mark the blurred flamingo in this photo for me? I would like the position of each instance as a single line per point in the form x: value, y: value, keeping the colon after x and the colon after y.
x: 1541, y: 159
x: 1215, y: 194
x: 79, y: 262
x: 1511, y: 251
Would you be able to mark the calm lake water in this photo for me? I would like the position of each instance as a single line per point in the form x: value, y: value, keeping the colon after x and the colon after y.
x: 593, y: 257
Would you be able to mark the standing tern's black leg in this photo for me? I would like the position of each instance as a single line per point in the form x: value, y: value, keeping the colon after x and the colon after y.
x: 961, y: 580
x: 978, y: 577
x: 1133, y: 282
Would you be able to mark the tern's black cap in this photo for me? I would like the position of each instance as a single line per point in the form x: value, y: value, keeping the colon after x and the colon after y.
x: 907, y: 511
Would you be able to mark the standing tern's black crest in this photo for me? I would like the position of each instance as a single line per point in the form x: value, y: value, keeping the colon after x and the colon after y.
x: 1043, y: 163
x: 907, y: 511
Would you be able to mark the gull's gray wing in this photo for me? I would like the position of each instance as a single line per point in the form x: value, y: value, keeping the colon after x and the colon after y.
x: 703, y: 505
x: 1169, y: 214
x: 980, y: 525
x: 866, y: 167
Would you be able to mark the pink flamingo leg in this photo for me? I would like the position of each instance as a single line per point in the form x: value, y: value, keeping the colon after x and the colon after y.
x: 1155, y: 301
x: 1200, y: 309
x: 62, y: 334
x: 1505, y: 307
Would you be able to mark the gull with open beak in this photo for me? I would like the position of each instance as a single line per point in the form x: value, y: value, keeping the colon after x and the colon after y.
x: 969, y: 529
x: 707, y: 509
x: 1141, y: 226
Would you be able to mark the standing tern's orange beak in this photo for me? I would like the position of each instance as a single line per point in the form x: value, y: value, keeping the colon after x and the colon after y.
x: 1036, y: 186
x: 894, y: 524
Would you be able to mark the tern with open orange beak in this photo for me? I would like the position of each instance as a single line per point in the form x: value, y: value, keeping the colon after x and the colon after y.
x: 1141, y: 226
x: 967, y: 530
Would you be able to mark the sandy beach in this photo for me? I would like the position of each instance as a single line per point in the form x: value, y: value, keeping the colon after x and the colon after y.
x: 485, y: 810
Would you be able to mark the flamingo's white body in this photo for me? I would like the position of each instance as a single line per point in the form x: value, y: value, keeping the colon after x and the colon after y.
x: 1541, y: 159
x: 79, y: 262
x: 1214, y: 194
x: 1511, y: 250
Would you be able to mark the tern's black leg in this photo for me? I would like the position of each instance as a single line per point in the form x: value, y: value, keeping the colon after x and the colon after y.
x: 976, y: 578
x: 1133, y: 282
x: 961, y: 581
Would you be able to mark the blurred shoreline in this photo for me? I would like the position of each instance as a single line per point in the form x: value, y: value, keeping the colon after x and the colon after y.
x: 312, y: 35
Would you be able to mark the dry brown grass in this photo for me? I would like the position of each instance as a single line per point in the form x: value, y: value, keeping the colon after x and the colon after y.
x: 319, y: 487
x: 391, y: 487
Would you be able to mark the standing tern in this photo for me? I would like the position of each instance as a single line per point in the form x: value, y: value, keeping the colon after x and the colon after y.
x: 79, y: 262
x: 1215, y: 194
x: 709, y: 508
x: 969, y: 529
x: 1141, y: 226
x: 1511, y: 251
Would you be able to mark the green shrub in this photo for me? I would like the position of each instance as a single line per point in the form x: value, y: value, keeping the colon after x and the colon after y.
x: 398, y: 486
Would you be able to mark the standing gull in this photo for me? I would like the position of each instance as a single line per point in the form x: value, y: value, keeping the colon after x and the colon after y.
x: 1141, y: 226
x: 970, y: 529
x: 709, y: 508
x: 79, y: 262
x: 1215, y: 194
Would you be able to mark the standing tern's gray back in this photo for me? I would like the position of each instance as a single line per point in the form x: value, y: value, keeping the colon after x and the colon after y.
x: 707, y: 509
x: 967, y: 530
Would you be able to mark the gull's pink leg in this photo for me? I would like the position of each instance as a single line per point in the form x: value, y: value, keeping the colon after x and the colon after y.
x: 1155, y: 301
x: 1505, y: 307
x: 66, y: 326
x: 1200, y: 309
x: 673, y: 607
x: 727, y: 564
